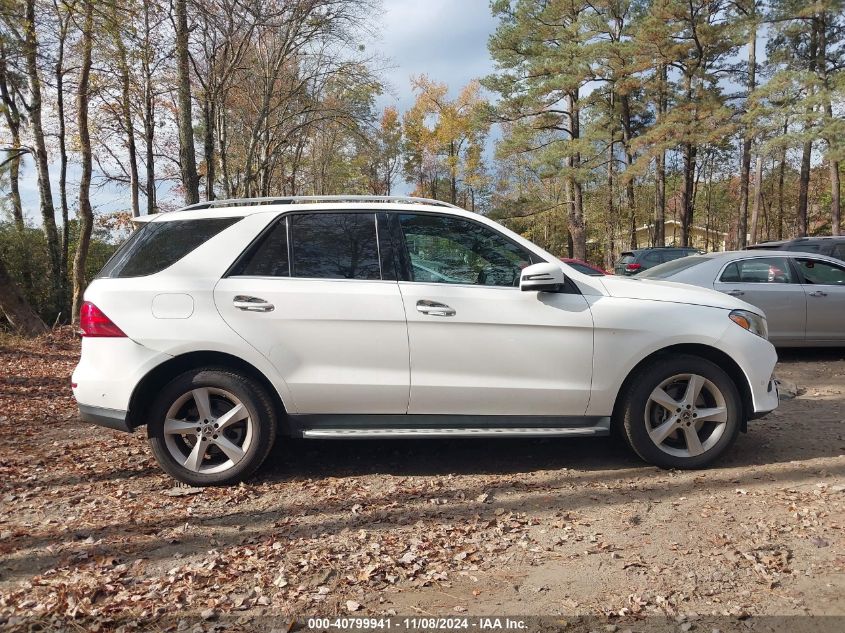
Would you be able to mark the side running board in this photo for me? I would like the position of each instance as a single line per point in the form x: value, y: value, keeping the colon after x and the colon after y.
x: 387, y: 433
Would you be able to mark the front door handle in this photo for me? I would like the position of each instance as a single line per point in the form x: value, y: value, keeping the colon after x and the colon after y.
x: 736, y: 293
x: 818, y: 293
x: 432, y: 308
x: 252, y: 304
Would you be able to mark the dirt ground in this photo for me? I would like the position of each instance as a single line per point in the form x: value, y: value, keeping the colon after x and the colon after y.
x: 91, y: 530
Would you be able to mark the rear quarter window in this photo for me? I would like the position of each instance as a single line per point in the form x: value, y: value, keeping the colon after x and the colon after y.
x: 158, y: 245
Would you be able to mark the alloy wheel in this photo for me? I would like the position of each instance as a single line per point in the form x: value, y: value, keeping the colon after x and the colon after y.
x: 686, y: 415
x: 208, y: 430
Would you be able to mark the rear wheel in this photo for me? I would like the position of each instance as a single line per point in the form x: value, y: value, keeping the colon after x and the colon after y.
x: 211, y: 427
x: 681, y: 412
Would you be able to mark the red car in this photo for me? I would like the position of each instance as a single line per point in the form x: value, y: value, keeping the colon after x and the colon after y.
x: 584, y: 267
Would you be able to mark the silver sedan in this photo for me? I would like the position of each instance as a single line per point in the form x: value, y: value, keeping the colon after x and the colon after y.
x: 802, y: 295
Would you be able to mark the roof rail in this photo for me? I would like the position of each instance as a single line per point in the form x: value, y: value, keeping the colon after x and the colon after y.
x: 239, y: 202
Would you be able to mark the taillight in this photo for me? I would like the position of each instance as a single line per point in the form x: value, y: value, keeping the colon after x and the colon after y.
x: 631, y: 268
x: 93, y: 322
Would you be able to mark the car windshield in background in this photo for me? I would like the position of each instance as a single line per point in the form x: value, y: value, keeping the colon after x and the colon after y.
x: 581, y: 268
x: 671, y: 268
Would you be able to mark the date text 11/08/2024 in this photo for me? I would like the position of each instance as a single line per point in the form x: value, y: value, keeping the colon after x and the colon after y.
x: 418, y: 623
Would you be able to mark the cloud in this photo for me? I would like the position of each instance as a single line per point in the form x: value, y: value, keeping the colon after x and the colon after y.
x: 445, y: 39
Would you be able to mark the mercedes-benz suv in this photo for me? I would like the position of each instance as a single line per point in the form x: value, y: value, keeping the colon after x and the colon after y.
x: 228, y: 324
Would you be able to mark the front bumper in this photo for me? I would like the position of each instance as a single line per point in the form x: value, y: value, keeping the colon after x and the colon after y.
x: 110, y: 418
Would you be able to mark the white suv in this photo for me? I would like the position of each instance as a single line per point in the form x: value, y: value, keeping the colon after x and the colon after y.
x: 227, y: 323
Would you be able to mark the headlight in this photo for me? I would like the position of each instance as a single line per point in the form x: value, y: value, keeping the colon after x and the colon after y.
x: 754, y: 323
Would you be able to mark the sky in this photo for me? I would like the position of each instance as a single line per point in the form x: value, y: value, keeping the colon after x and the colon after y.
x: 446, y: 39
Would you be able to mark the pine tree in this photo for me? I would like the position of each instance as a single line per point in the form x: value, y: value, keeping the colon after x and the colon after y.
x: 539, y: 50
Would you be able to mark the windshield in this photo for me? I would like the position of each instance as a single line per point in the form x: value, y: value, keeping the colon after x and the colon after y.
x: 582, y: 268
x: 669, y: 269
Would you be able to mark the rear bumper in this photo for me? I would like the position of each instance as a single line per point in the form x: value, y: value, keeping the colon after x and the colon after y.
x: 110, y: 418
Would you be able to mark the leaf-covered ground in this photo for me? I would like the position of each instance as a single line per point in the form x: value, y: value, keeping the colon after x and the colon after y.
x: 91, y: 530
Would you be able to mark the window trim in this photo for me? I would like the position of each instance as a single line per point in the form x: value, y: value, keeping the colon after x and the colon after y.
x: 789, y: 264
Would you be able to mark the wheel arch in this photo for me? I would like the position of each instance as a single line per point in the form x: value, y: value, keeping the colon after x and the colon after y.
x: 714, y: 355
x: 160, y: 375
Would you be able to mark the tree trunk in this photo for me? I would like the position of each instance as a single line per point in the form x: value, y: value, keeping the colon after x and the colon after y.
x: 13, y: 122
x: 835, y: 187
x: 609, y: 211
x: 60, y: 105
x: 835, y: 197
x: 660, y: 168
x: 781, y: 177
x: 86, y: 218
x: 48, y: 212
x: 807, y: 149
x: 17, y: 311
x: 210, y: 122
x: 627, y: 134
x: 149, y: 112
x: 687, y: 193
x: 126, y: 112
x: 758, y: 197
x: 745, y: 162
x: 576, y: 213
x: 187, y: 155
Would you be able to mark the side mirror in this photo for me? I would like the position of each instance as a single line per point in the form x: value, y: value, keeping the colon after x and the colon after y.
x: 544, y: 277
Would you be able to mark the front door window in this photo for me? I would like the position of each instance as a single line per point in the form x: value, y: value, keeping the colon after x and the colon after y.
x: 452, y: 250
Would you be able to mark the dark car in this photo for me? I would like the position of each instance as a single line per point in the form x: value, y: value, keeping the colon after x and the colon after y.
x: 636, y: 261
x: 832, y: 246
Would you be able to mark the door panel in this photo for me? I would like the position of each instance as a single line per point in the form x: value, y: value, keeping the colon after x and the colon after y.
x: 341, y: 346
x: 824, y: 285
x: 479, y: 345
x: 503, y: 352
x: 770, y: 284
x: 335, y: 331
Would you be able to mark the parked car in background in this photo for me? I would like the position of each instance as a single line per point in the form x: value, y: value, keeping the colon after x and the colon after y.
x: 832, y: 246
x: 584, y: 267
x: 636, y: 261
x: 802, y: 295
x: 217, y: 326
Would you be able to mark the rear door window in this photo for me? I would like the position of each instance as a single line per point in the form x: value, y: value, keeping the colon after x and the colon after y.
x: 653, y: 258
x: 675, y: 254
x: 334, y: 246
x: 269, y: 256
x: 761, y: 270
x: 159, y: 244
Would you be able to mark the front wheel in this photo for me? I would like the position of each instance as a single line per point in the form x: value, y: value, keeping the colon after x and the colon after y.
x: 681, y: 412
x: 211, y: 427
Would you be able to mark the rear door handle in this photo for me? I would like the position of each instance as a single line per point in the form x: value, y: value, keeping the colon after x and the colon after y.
x: 736, y: 293
x: 252, y: 304
x: 432, y: 308
x: 818, y: 293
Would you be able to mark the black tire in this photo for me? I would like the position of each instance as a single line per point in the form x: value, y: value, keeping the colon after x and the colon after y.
x: 637, y: 413
x: 225, y: 387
